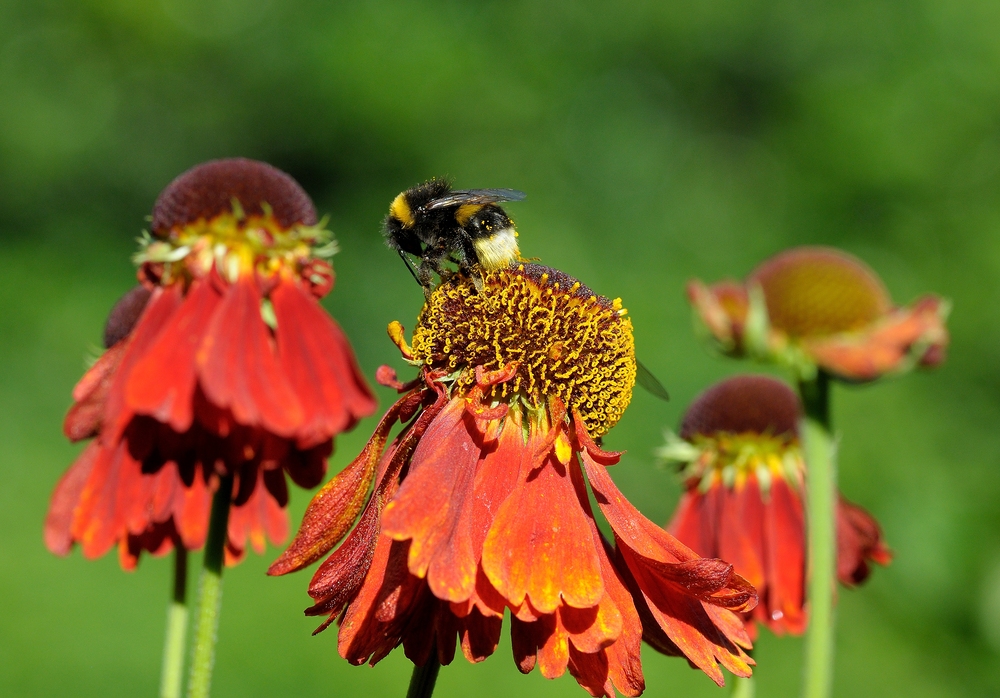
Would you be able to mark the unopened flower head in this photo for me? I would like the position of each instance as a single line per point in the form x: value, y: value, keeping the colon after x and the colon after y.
x: 221, y: 363
x: 481, y: 502
x: 818, y: 307
x: 740, y: 457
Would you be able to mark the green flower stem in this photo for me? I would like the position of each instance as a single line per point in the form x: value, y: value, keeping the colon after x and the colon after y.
x: 177, y: 618
x: 743, y: 688
x: 423, y: 679
x: 210, y: 593
x: 821, y: 498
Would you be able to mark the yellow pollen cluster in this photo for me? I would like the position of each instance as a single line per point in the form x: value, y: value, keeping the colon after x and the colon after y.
x: 734, y: 457
x: 236, y: 244
x: 567, y: 341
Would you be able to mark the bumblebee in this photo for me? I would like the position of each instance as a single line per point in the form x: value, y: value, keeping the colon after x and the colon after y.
x: 439, y: 224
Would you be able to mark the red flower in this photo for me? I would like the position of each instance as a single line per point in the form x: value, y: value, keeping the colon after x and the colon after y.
x: 221, y: 362
x: 480, y: 503
x: 812, y: 307
x: 742, y: 463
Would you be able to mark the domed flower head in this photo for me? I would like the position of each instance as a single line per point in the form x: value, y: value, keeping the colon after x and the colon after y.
x: 481, y: 502
x: 818, y: 307
x: 741, y: 460
x: 221, y: 362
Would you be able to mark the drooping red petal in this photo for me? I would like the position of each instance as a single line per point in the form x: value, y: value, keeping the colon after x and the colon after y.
x: 784, y: 525
x: 859, y: 539
x: 333, y: 510
x: 99, y: 520
x: 239, y: 369
x: 260, y: 518
x: 539, y: 546
x: 676, y: 594
x: 90, y: 395
x: 320, y: 365
x: 65, y: 500
x: 163, y: 381
x: 432, y: 506
x: 159, y: 312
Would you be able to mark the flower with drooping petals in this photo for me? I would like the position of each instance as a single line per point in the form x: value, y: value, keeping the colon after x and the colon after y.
x: 818, y: 307
x: 742, y: 464
x: 480, y: 503
x: 222, y: 362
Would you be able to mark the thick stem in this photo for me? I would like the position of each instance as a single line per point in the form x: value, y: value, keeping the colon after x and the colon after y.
x: 821, y: 491
x: 210, y: 593
x: 743, y: 688
x: 423, y: 679
x: 171, y: 677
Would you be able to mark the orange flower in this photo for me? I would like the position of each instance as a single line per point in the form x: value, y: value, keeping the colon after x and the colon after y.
x: 742, y: 464
x: 221, y: 362
x: 812, y: 307
x: 480, y: 503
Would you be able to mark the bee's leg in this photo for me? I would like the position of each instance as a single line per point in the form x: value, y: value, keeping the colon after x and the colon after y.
x: 477, y: 281
x: 469, y: 264
x: 425, y: 278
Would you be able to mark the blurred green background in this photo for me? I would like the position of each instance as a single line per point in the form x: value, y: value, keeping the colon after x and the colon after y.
x: 657, y: 142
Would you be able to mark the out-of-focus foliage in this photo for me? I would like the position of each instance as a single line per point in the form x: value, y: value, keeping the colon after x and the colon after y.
x: 657, y: 141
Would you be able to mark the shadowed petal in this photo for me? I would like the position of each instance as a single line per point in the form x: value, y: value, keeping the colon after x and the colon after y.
x: 859, y: 539
x: 65, y: 500
x: 162, y: 383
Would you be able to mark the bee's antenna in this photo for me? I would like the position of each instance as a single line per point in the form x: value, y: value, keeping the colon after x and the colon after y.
x: 413, y: 273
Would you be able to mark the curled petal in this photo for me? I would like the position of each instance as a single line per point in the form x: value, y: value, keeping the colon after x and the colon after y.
x: 859, y: 539
x: 333, y: 510
x: 723, y: 309
x: 904, y: 336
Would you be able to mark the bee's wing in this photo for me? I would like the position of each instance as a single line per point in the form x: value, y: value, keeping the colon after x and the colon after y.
x: 476, y: 196
x: 651, y: 383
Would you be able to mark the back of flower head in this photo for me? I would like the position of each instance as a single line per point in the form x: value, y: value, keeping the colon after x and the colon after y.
x: 827, y: 317
x: 222, y: 374
x: 480, y: 503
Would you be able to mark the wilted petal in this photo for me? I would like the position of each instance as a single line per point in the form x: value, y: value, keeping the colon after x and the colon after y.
x: 859, y: 539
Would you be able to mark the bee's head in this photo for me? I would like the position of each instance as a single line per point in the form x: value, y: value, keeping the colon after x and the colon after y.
x: 493, y: 235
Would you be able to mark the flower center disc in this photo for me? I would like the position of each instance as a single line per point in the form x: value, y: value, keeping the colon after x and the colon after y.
x: 815, y: 291
x: 567, y: 340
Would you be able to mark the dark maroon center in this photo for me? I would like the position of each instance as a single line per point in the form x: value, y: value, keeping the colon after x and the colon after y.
x: 207, y: 190
x: 758, y: 404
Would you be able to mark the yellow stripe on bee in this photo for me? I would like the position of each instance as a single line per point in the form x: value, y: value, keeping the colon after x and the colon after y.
x: 498, y: 250
x: 466, y: 212
x: 400, y: 210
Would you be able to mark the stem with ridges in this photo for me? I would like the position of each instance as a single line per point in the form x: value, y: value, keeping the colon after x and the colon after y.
x: 423, y: 678
x: 210, y: 593
x: 177, y: 617
x: 821, y: 498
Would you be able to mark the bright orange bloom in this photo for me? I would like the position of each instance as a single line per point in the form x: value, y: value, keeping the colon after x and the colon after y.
x: 743, y: 468
x: 221, y: 362
x: 481, y: 504
x: 812, y: 307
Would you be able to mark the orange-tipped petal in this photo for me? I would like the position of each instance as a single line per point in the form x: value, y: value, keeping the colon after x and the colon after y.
x: 238, y: 368
x: 162, y: 383
x: 319, y: 363
x: 540, y: 546
x: 431, y: 508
